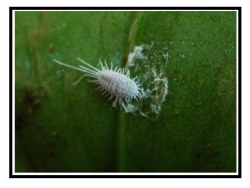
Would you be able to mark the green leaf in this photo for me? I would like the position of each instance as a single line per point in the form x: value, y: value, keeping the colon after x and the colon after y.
x: 66, y: 128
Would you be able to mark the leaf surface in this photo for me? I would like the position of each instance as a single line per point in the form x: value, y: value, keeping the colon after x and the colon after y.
x: 66, y: 128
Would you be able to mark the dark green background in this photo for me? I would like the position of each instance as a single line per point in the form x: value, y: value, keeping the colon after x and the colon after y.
x: 65, y: 128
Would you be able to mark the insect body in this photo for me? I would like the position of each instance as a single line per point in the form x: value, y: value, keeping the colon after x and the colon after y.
x: 111, y: 81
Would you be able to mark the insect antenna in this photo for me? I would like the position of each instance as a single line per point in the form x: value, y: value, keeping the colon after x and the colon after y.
x: 75, y: 83
x: 97, y: 70
x: 66, y: 65
x: 91, y: 71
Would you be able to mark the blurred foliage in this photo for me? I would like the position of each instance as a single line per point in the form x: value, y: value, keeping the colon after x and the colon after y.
x: 65, y: 128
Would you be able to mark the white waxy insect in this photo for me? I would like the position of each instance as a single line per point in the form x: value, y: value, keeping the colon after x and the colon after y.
x: 111, y: 81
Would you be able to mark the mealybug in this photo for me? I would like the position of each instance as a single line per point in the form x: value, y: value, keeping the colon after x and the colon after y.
x: 111, y: 81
